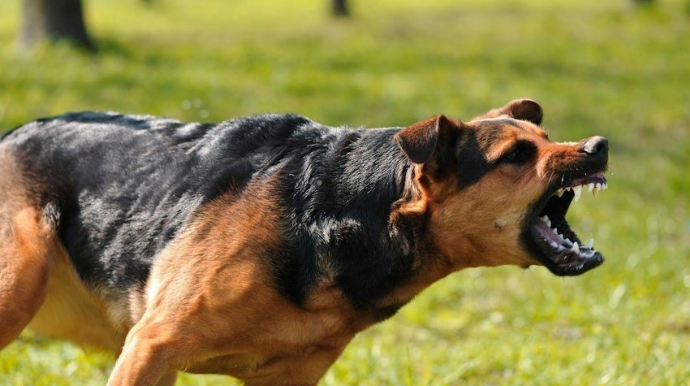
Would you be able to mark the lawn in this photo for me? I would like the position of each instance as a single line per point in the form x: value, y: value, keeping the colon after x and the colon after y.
x: 597, y: 67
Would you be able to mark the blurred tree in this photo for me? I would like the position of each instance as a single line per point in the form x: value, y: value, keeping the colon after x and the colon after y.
x: 642, y: 2
x: 53, y: 20
x: 340, y: 8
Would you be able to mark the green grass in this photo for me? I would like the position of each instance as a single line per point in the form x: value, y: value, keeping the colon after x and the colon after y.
x: 596, y: 67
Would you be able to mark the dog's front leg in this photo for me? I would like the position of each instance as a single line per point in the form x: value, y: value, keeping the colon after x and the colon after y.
x: 147, y: 358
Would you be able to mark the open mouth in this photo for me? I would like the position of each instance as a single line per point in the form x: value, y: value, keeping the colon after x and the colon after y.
x: 562, y: 251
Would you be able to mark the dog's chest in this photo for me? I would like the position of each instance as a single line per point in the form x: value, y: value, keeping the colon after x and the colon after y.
x: 283, y: 336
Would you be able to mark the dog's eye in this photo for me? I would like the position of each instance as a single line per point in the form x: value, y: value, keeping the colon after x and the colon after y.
x: 520, y: 153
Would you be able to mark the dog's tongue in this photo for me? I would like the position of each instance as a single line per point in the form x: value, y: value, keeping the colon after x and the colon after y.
x: 557, y: 241
x: 547, y: 233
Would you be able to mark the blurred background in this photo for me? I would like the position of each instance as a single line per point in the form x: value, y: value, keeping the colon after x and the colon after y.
x: 615, y: 68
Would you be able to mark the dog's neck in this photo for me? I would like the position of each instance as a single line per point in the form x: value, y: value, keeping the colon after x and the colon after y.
x: 360, y: 223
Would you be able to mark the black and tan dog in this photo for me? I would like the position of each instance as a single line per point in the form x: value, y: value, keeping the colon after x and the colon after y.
x: 259, y: 247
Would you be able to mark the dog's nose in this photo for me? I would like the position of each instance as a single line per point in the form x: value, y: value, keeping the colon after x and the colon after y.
x: 595, y: 145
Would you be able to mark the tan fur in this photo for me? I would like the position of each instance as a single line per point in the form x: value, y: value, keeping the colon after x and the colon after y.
x: 72, y: 313
x: 459, y: 220
x: 233, y: 320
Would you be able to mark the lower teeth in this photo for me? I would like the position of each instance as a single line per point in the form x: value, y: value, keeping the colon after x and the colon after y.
x: 585, y: 251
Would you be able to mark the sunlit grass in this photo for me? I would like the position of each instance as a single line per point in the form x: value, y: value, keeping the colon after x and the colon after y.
x: 597, y: 68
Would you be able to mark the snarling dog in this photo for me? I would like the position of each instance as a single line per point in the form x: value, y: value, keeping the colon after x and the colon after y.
x: 259, y: 247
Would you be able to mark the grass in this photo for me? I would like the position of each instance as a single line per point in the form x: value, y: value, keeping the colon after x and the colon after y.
x: 596, y: 67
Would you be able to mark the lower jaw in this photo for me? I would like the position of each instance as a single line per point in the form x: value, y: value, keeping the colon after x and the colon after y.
x: 572, y: 265
x: 565, y: 259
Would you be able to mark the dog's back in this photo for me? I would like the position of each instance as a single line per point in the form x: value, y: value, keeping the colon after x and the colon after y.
x: 121, y: 187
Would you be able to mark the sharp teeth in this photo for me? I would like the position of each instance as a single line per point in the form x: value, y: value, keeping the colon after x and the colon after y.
x: 577, y: 190
x: 553, y: 244
x: 593, y: 187
x: 576, y: 248
x: 546, y: 220
x: 589, y: 244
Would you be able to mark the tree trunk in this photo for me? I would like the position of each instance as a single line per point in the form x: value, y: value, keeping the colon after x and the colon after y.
x: 53, y: 20
x: 340, y: 8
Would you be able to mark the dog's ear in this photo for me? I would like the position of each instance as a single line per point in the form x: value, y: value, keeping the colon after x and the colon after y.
x: 420, y: 140
x: 523, y: 109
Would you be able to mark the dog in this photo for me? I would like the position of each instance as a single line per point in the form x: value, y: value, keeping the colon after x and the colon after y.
x: 258, y: 247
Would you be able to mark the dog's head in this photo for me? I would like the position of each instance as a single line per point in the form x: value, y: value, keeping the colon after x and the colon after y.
x: 496, y: 189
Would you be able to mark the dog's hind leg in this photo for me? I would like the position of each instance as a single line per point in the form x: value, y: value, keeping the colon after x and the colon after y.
x: 26, y: 250
x: 27, y: 247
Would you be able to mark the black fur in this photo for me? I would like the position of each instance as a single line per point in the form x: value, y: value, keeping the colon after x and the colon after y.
x: 338, y: 188
x: 123, y: 186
